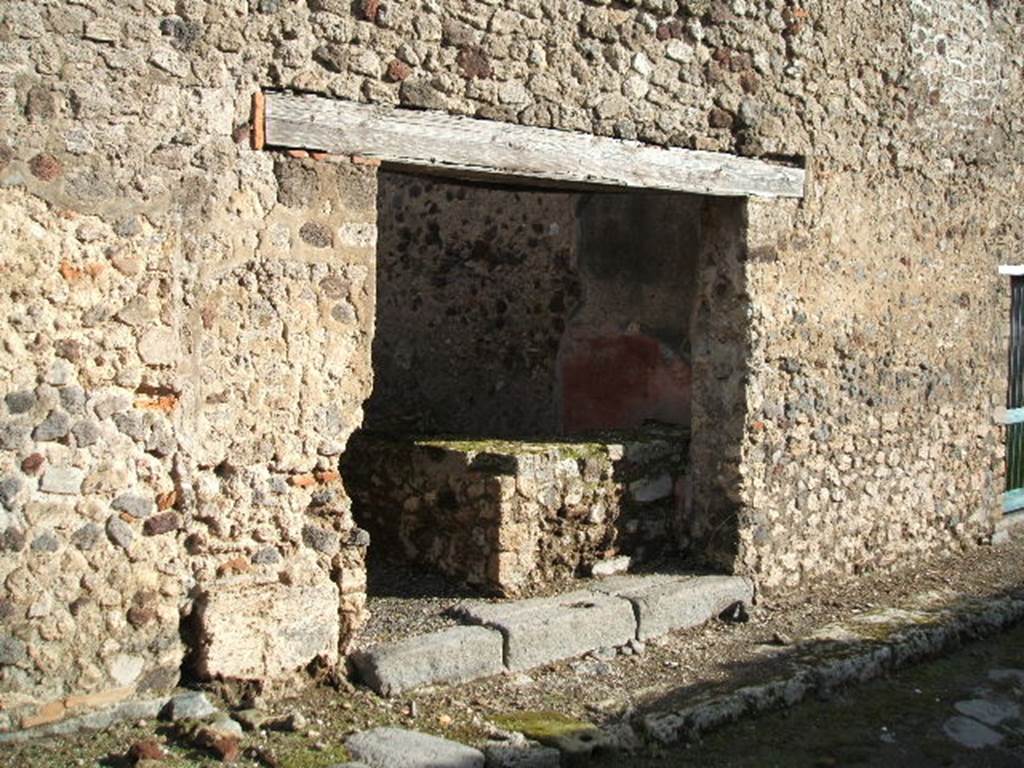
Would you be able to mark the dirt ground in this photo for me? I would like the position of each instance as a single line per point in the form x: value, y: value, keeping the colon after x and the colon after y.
x: 670, y: 672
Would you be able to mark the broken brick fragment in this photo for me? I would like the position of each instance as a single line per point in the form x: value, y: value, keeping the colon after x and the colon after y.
x: 166, y: 500
x: 232, y: 567
x: 162, y: 403
x: 369, y: 9
x: 164, y: 523
x: 397, y: 71
x: 70, y: 272
x: 327, y: 476
x: 45, y: 167
x: 302, y: 481
x: 31, y: 463
x: 147, y: 749
x: 474, y: 62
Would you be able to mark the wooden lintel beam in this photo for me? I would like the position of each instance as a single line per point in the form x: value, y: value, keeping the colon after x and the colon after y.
x: 451, y: 144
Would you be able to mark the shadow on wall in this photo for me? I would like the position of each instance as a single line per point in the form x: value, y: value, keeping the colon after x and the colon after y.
x: 475, y: 287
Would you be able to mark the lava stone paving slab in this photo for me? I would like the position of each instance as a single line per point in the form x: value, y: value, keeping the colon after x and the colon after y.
x: 546, y: 629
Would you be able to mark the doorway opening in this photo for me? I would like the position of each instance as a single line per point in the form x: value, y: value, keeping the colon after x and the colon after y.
x: 533, y: 382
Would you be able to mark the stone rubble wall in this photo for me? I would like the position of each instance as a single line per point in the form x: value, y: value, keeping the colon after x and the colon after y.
x: 170, y: 441
x: 513, y: 517
x: 709, y: 526
x: 870, y: 435
x: 186, y: 353
x: 133, y: 212
x: 859, y: 430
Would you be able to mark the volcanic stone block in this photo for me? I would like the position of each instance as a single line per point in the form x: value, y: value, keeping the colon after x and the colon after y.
x: 665, y: 603
x: 546, y: 629
x: 448, y: 656
x: 399, y: 748
x: 63, y: 480
x: 53, y: 427
x: 253, y: 629
x: 136, y: 506
x: 191, y: 704
x: 21, y: 401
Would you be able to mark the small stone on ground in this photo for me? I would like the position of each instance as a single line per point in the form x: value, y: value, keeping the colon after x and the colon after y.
x: 191, y: 704
x: 970, y: 733
x: 988, y: 711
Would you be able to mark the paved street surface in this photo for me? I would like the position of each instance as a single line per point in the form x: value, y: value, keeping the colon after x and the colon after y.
x: 963, y: 710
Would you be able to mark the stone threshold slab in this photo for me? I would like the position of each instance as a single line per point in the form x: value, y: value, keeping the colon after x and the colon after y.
x: 663, y: 604
x: 519, y: 635
x: 541, y: 630
x: 448, y: 656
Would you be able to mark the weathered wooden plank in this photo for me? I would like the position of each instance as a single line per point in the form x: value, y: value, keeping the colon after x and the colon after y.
x: 1008, y: 415
x: 462, y: 144
x: 1013, y: 500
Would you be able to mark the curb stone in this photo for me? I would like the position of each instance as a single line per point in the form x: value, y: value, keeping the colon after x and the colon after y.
x: 522, y: 757
x: 871, y: 657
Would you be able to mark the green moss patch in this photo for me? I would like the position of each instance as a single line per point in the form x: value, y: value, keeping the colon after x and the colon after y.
x: 544, y: 726
x: 304, y: 757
